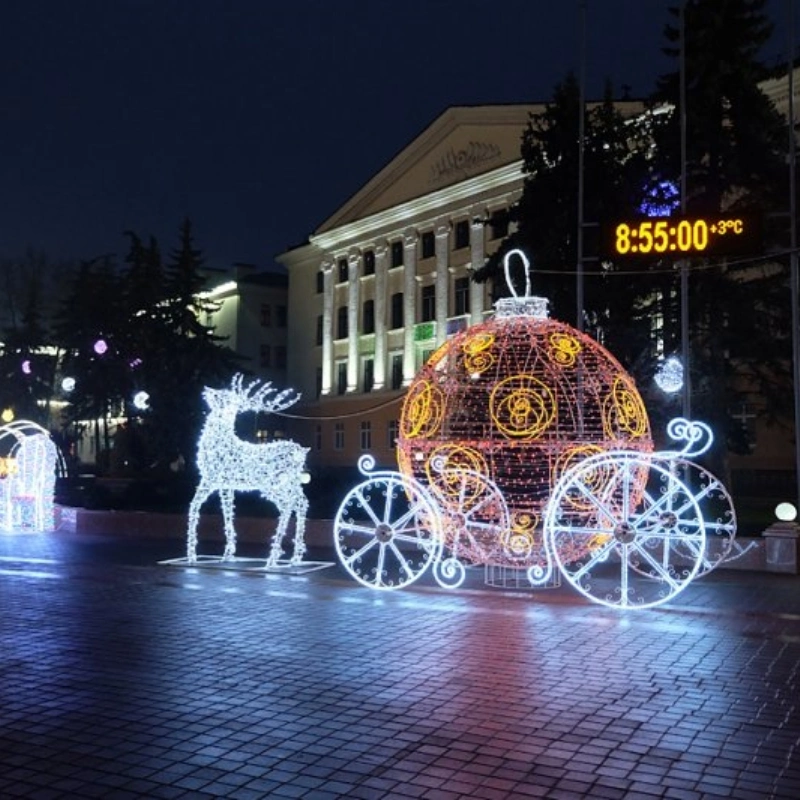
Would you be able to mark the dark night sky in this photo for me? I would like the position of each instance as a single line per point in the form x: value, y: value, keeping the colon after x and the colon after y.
x: 259, y: 118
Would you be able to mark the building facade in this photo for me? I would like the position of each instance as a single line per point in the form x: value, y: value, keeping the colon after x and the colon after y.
x: 387, y: 278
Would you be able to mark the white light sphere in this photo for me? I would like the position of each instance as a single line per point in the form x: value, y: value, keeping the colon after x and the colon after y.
x: 669, y: 375
x: 141, y: 401
x: 68, y: 384
x: 786, y: 512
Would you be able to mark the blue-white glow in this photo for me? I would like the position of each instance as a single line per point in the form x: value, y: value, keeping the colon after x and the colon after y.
x: 660, y: 200
x: 669, y: 375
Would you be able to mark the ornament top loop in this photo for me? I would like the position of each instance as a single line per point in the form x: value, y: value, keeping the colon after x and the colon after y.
x: 520, y: 306
x: 527, y: 264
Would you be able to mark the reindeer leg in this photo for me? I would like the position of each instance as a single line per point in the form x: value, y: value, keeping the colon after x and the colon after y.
x: 300, y: 512
x: 276, y: 551
x: 226, y: 501
x: 200, y: 496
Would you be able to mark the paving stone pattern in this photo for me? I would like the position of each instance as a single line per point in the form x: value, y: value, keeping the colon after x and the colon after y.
x: 120, y: 678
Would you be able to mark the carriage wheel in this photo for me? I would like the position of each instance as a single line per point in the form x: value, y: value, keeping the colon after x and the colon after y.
x: 386, y: 531
x: 614, y: 525
x: 718, y: 517
x: 474, y: 514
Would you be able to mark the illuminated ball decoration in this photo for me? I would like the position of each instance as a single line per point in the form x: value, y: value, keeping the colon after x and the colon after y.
x: 669, y: 375
x: 100, y: 347
x: 141, y: 401
x: 516, y: 400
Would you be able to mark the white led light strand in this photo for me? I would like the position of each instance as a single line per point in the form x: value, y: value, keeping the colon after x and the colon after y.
x: 228, y: 464
x: 29, y: 477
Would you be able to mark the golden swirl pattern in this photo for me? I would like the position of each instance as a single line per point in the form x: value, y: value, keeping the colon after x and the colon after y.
x: 520, y: 539
x: 522, y: 407
x: 478, y: 363
x: 478, y: 343
x: 422, y: 410
x: 624, y: 411
x: 564, y: 349
x: 448, y: 469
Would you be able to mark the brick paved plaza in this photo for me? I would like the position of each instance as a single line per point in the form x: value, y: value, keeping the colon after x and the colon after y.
x: 121, y: 678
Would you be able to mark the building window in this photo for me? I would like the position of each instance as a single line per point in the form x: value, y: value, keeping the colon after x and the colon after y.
x: 369, y: 262
x: 397, y: 310
x: 368, y: 317
x: 342, y: 267
x: 319, y: 330
x: 428, y: 304
x: 392, y: 432
x: 428, y: 244
x: 338, y: 436
x: 498, y: 223
x: 366, y: 435
x: 265, y: 356
x: 462, y: 288
x: 368, y: 372
x: 341, y: 377
x: 320, y: 282
x: 281, y: 316
x: 318, y: 437
x: 397, y: 253
x: 341, y: 323
x: 266, y: 315
x: 318, y: 382
x: 397, y: 370
x: 461, y: 235
x: 280, y: 357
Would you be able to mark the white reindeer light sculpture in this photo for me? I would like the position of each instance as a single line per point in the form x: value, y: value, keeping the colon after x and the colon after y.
x: 229, y: 464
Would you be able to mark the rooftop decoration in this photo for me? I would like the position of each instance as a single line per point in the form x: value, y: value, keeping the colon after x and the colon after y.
x: 228, y: 464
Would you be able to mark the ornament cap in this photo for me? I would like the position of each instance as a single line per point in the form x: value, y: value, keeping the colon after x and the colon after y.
x: 520, y: 306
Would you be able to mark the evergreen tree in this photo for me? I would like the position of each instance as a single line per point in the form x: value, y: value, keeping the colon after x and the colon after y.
x: 546, y: 216
x: 735, y: 163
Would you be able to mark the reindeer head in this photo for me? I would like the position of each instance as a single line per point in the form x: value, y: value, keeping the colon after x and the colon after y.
x: 252, y: 397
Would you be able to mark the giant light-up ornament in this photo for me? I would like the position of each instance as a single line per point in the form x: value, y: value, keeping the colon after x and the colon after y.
x: 228, y: 464
x: 516, y: 400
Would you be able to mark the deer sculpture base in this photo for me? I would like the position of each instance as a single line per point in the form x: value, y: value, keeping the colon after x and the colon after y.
x: 228, y: 464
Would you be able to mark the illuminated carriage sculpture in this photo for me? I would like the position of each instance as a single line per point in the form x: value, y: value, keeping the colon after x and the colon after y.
x: 525, y: 445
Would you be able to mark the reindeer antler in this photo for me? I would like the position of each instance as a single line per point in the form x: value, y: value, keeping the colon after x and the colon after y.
x: 254, y: 396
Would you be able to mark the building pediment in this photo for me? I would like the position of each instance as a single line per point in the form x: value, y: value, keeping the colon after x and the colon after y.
x: 460, y: 144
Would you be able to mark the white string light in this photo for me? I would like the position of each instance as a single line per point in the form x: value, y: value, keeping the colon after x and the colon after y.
x: 228, y: 464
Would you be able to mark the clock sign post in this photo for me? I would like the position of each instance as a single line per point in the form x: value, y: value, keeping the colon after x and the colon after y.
x: 680, y: 236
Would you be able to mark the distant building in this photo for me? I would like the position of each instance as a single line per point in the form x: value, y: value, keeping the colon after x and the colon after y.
x: 252, y: 318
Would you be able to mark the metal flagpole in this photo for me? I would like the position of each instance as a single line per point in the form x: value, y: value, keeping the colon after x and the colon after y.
x: 687, y: 383
x: 795, y: 281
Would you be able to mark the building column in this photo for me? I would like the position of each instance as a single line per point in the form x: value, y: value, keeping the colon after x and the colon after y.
x: 478, y: 257
x: 381, y: 265
x: 409, y: 304
x: 327, y: 326
x: 353, y: 259
x: 442, y: 276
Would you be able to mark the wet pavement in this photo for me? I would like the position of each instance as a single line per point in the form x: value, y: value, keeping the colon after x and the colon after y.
x: 123, y: 678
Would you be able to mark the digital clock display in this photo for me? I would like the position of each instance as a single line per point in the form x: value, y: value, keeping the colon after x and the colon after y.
x: 679, y: 236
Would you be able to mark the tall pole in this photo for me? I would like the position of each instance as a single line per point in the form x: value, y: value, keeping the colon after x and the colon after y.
x: 687, y: 382
x: 579, y: 299
x: 795, y: 281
